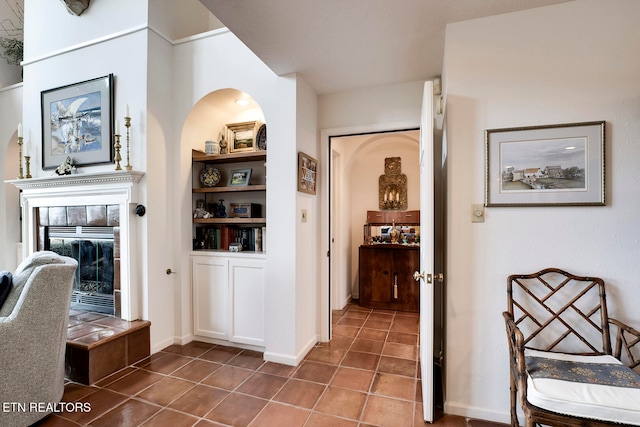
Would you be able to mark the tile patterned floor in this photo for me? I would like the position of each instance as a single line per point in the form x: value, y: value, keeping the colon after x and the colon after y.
x: 366, y: 376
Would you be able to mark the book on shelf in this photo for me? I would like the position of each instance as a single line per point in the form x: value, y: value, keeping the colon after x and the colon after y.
x: 219, y: 237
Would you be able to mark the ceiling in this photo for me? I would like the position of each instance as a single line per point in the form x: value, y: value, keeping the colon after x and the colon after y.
x: 338, y: 45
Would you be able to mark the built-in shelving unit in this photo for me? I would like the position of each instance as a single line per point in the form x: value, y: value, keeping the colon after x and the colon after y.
x: 209, y: 233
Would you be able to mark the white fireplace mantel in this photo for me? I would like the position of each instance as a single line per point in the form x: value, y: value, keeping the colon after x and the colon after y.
x: 101, y: 188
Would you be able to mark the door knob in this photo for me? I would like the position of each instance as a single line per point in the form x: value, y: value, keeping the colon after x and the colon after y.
x: 417, y: 276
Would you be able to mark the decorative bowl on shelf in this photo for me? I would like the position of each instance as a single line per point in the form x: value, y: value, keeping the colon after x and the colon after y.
x: 210, y: 176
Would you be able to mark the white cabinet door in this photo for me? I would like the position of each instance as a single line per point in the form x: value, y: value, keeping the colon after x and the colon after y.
x: 247, y: 280
x: 210, y: 278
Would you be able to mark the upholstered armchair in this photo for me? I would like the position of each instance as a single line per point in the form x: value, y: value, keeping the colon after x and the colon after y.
x: 33, y: 332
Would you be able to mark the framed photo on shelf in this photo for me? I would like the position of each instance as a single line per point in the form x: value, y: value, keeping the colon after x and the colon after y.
x: 554, y: 165
x: 76, y: 122
x: 307, y: 168
x: 241, y: 136
x: 239, y: 177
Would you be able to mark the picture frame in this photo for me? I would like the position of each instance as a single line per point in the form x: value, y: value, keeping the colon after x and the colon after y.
x: 77, y: 122
x: 550, y: 165
x: 307, y: 173
x: 239, y: 177
x: 241, y: 136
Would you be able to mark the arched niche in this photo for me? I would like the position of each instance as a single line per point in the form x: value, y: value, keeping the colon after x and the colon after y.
x: 209, y: 116
x: 11, y: 227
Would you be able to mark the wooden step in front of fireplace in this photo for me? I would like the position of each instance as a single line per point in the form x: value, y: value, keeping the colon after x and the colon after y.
x: 99, y: 345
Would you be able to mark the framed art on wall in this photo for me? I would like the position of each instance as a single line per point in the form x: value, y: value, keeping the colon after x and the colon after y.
x: 241, y: 136
x: 307, y: 168
x: 554, y: 165
x: 76, y: 122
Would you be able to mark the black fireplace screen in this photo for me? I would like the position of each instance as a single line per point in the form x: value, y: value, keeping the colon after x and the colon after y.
x: 93, y: 284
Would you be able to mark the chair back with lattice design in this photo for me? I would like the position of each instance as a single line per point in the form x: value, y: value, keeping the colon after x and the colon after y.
x: 557, y: 311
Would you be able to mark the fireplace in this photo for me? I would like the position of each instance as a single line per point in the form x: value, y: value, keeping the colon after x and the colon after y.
x: 92, y: 247
x: 81, y: 212
x: 90, y: 235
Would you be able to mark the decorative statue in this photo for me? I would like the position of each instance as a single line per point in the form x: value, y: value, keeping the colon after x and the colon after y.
x: 223, y: 145
x: 66, y: 167
x: 200, y: 211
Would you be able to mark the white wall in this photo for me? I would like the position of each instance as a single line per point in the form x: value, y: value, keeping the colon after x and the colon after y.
x: 215, y: 61
x: 572, y: 62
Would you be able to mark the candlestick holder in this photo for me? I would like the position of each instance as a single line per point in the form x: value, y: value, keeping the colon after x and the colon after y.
x: 117, y: 147
x: 20, y: 176
x: 127, y: 124
x: 27, y: 162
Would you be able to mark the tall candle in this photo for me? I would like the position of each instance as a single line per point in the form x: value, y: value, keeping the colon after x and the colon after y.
x: 26, y: 147
x: 19, y: 130
x: 117, y: 126
x: 126, y: 111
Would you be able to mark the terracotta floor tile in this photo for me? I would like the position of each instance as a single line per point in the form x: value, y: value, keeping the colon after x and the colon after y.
x: 227, y: 377
x: 135, y: 382
x: 345, y: 331
x: 220, y: 354
x: 167, y: 417
x: 359, y: 360
x: 100, y: 402
x: 277, y: 415
x: 130, y: 413
x: 193, y: 349
x: 55, y: 421
x: 196, y: 370
x: 338, y: 341
x: 115, y: 376
x: 237, y: 410
x: 403, y: 351
x: 354, y: 379
x: 342, y: 402
x: 394, y: 365
x: 394, y: 386
x: 262, y: 385
x: 351, y: 321
x: 277, y: 369
x: 403, y: 338
x: 407, y: 325
x: 166, y: 364
x: 378, y: 324
x: 300, y: 393
x: 357, y: 314
x: 248, y: 359
x: 316, y: 372
x: 74, y: 392
x: 318, y: 419
x: 199, y: 400
x: 386, y: 412
x: 165, y: 391
x: 328, y: 355
x: 367, y: 346
x: 373, y: 334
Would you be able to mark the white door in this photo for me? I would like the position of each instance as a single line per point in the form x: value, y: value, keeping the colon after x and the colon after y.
x: 427, y: 238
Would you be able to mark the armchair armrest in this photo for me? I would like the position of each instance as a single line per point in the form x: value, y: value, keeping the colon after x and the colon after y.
x: 626, y: 338
x: 516, y: 359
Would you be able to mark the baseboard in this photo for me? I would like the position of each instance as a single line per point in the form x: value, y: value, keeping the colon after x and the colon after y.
x: 290, y: 360
x: 162, y: 345
x: 455, y: 408
x: 345, y: 302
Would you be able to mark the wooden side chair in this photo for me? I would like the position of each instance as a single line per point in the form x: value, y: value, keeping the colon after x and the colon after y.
x: 562, y: 366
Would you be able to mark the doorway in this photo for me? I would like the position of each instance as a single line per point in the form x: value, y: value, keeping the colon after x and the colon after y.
x: 357, y: 161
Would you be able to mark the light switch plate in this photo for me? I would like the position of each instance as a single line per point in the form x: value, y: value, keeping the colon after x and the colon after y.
x: 303, y: 215
x: 477, y: 213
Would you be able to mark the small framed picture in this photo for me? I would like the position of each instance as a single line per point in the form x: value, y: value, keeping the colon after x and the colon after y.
x: 556, y: 165
x: 241, y: 136
x: 76, y: 122
x: 307, y: 168
x: 239, y: 177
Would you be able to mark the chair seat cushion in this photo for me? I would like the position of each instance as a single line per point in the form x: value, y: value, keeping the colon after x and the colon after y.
x: 597, y: 387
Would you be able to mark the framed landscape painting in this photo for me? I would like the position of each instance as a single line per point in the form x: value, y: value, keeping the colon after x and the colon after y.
x: 555, y: 165
x: 76, y: 122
